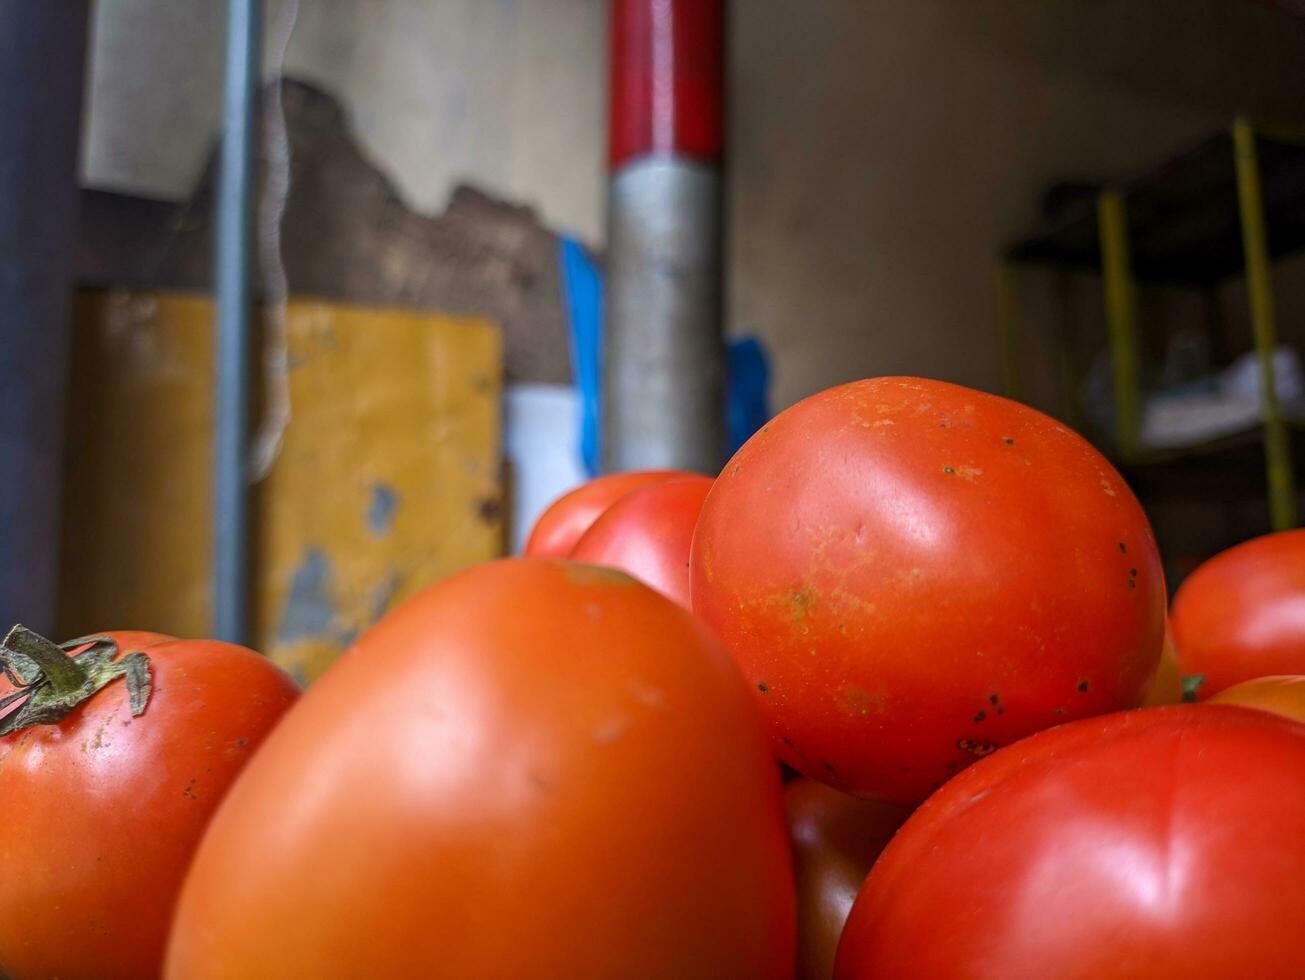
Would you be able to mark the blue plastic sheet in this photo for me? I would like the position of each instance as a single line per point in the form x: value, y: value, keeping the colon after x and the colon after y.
x: 747, y: 381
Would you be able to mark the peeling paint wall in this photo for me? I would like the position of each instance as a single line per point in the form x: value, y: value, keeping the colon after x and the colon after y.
x: 388, y: 477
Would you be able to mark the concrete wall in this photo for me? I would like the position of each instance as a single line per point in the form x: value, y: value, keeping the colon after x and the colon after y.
x: 881, y: 149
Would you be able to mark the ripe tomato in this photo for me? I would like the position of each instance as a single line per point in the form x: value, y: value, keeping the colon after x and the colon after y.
x: 912, y: 574
x: 1156, y: 844
x: 103, y: 809
x: 1241, y: 615
x: 531, y: 769
x: 647, y: 534
x: 1281, y: 694
x: 836, y: 839
x: 559, y: 527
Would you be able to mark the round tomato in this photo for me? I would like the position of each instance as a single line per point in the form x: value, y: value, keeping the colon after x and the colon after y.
x: 1156, y: 844
x: 1281, y: 694
x: 568, y: 517
x: 647, y: 534
x: 103, y: 809
x: 836, y: 839
x: 1241, y: 615
x: 531, y: 769
x: 912, y: 574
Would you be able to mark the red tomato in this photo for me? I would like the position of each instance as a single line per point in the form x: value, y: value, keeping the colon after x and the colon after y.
x: 1282, y: 694
x: 1156, y: 844
x: 836, y: 839
x: 103, y: 810
x: 1241, y: 615
x: 912, y: 574
x: 569, y: 516
x: 647, y: 533
x: 531, y: 769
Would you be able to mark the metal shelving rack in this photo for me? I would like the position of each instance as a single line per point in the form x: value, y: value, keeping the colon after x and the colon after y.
x: 1231, y: 205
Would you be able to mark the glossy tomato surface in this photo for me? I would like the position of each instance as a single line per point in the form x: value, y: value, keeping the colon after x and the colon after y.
x: 103, y: 811
x: 836, y: 839
x: 1160, y: 844
x: 1281, y: 694
x: 912, y: 574
x: 568, y: 517
x: 647, y: 534
x: 531, y: 769
x: 1241, y: 615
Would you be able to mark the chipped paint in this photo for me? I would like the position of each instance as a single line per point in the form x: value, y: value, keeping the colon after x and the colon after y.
x: 309, y: 612
x: 382, y: 509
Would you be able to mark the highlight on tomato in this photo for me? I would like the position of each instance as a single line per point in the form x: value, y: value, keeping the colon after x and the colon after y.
x: 115, y: 751
x: 912, y: 574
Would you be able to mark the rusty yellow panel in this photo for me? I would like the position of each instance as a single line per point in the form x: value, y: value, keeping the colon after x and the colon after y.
x: 387, y: 475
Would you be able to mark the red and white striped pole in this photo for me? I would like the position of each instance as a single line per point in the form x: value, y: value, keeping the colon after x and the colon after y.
x: 663, y: 371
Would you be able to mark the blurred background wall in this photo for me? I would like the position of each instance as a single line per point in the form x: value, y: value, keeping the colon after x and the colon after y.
x: 885, y: 150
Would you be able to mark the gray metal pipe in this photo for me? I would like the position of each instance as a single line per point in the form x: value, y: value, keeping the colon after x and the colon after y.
x: 232, y: 279
x: 42, y: 61
x: 663, y: 357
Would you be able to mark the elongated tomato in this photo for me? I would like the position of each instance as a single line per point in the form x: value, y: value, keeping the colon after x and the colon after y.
x: 532, y: 769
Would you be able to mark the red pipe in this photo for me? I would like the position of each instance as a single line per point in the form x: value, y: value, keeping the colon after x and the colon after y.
x: 667, y: 79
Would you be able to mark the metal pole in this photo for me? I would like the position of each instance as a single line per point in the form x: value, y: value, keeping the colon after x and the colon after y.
x: 1259, y: 287
x: 232, y: 277
x: 42, y: 59
x: 1121, y: 316
x: 1008, y: 330
x: 664, y: 352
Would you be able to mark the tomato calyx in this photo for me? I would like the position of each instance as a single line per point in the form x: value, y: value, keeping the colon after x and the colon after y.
x: 51, y: 681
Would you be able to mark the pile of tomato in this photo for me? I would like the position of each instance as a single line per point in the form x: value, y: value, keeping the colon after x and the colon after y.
x: 898, y: 694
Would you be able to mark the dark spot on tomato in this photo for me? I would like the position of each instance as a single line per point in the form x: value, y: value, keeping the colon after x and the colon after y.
x: 942, y: 424
x: 1060, y: 710
x: 1082, y: 686
x: 787, y: 741
x: 762, y: 687
x: 976, y: 747
x: 1123, y: 548
x: 1008, y: 441
x: 842, y: 629
x: 1132, y: 572
x: 1132, y: 584
x: 828, y: 767
x: 906, y: 768
x: 993, y: 698
x: 950, y: 766
x: 1001, y: 711
x: 242, y: 742
x: 949, y: 471
x: 980, y: 716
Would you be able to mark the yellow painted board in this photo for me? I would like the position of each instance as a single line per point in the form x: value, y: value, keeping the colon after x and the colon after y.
x: 388, y: 476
